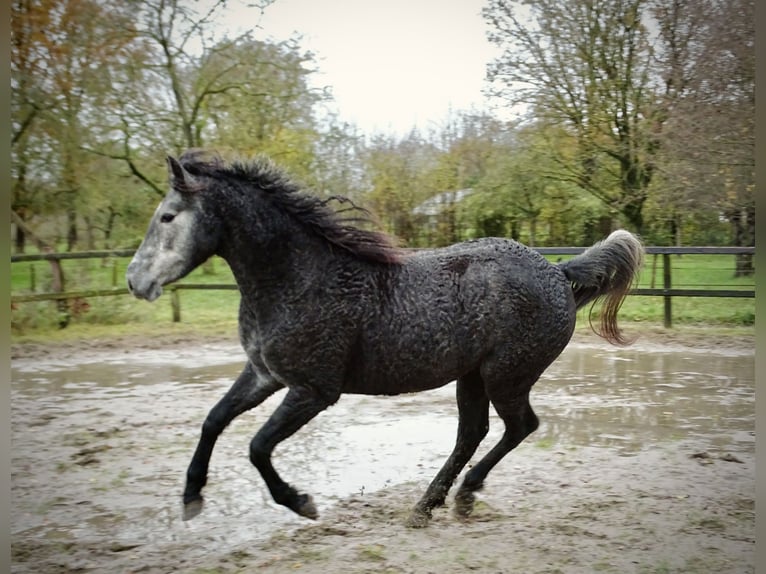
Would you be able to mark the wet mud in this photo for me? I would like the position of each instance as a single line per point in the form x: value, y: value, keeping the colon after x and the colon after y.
x: 644, y: 462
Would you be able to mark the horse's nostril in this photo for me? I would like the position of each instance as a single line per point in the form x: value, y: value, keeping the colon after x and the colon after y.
x: 130, y: 286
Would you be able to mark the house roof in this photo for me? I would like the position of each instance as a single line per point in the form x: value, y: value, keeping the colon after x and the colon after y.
x: 434, y: 205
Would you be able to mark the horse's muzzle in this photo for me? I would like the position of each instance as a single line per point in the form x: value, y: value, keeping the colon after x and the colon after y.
x: 141, y: 287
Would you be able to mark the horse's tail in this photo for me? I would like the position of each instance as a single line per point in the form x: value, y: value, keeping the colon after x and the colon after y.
x: 608, y: 269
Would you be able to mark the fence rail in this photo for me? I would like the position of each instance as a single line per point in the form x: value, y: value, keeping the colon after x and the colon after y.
x: 667, y: 292
x: 21, y: 257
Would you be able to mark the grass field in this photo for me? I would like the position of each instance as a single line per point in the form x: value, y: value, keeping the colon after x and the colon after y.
x: 216, y: 311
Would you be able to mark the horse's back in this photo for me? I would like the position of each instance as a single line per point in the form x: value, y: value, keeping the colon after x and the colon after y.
x: 503, y: 271
x: 500, y: 283
x: 446, y: 310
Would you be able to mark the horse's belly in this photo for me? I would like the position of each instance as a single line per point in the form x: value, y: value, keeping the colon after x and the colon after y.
x: 392, y: 374
x: 395, y: 386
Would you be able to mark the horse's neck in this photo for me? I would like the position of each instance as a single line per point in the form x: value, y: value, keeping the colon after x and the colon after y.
x: 269, y: 274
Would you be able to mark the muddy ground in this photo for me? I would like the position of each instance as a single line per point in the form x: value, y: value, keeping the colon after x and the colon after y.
x: 644, y: 462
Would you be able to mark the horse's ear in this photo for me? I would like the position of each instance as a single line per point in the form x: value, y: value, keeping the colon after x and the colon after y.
x: 180, y: 179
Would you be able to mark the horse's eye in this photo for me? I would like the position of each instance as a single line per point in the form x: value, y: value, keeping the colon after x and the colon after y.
x: 167, y: 217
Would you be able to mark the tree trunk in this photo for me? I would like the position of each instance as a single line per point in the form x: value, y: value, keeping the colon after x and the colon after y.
x: 20, y: 240
x: 632, y: 209
x: 672, y: 229
x: 743, y: 266
x: 58, y: 286
x: 57, y: 272
x: 515, y: 233
x: 109, y: 227
x: 744, y: 236
x: 71, y: 234
x: 90, y: 233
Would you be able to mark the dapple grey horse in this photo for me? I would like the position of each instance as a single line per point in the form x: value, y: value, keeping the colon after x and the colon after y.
x: 328, y: 307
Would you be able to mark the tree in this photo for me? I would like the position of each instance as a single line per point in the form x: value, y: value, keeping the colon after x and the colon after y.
x: 338, y: 166
x: 29, y: 102
x: 709, y: 137
x: 585, y: 65
x: 464, y: 146
x: 166, y: 85
x: 201, y: 88
x: 263, y: 103
x: 98, y: 88
x: 394, y: 171
x: 62, y: 54
x: 524, y: 190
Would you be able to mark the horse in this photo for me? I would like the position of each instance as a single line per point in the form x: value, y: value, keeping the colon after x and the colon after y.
x: 330, y: 306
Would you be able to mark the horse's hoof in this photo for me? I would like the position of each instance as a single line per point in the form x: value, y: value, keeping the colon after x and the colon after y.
x: 418, y: 519
x: 464, y: 504
x: 307, y: 508
x: 192, y: 508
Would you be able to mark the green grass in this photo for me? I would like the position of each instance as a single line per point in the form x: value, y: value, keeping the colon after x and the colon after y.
x: 215, y: 311
x: 208, y: 310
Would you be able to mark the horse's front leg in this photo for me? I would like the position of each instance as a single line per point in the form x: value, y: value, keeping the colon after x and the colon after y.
x: 300, y: 405
x: 247, y: 392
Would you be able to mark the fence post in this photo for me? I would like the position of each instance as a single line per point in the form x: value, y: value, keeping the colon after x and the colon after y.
x: 175, y: 303
x: 666, y: 283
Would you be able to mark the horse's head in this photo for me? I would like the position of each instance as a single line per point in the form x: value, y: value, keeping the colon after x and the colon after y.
x: 180, y: 237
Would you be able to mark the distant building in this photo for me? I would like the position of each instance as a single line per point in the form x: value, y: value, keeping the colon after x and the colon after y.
x: 439, y: 224
x: 433, y: 206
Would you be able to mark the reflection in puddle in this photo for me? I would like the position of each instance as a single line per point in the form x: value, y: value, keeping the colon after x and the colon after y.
x: 632, y: 399
x: 140, y: 417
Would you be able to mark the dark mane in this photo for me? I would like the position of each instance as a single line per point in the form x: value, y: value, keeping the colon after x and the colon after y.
x: 338, y: 225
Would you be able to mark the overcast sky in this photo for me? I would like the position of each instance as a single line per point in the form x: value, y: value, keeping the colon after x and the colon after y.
x: 391, y: 64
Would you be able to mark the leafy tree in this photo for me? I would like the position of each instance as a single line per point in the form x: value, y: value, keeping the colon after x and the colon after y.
x: 266, y: 104
x: 418, y: 184
x: 338, y: 166
x: 394, y: 169
x: 175, y: 67
x: 95, y: 82
x: 193, y: 88
x: 708, y: 59
x: 464, y: 146
x: 524, y: 193
x: 585, y: 65
x: 62, y: 54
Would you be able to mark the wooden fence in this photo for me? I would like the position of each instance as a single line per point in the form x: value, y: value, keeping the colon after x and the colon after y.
x: 667, y: 291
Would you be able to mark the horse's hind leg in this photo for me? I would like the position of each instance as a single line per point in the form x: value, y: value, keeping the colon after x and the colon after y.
x: 247, y: 392
x: 473, y: 424
x: 520, y: 421
x: 300, y: 405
